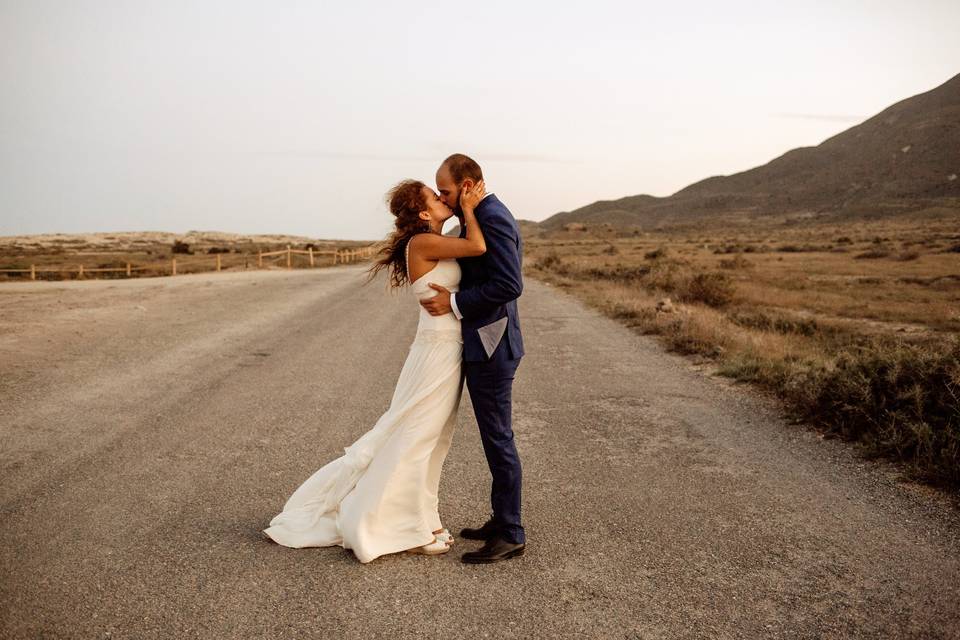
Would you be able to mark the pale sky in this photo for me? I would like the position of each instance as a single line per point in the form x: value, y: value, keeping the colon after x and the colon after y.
x: 297, y: 117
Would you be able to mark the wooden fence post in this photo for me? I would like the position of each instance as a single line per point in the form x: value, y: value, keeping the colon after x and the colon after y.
x: 80, y: 274
x: 173, y: 266
x: 33, y: 272
x: 218, y: 262
x: 310, y: 250
x: 128, y: 269
x: 288, y: 256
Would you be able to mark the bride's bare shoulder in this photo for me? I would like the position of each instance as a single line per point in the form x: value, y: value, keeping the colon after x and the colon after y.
x: 417, y: 238
x: 419, y: 241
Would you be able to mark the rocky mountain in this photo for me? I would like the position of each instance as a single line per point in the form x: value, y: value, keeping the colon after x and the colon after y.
x: 907, y: 157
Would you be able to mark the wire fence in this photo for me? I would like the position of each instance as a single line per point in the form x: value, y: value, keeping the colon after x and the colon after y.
x: 288, y: 258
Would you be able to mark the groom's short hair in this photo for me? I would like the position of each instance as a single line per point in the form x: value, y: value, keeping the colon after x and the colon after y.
x: 462, y: 167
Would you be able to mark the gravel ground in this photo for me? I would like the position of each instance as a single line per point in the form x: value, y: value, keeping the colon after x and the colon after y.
x: 151, y: 428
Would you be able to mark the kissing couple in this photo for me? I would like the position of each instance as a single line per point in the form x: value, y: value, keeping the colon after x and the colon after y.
x: 381, y: 495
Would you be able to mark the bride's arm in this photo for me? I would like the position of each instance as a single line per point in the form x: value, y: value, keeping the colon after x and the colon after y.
x: 434, y: 246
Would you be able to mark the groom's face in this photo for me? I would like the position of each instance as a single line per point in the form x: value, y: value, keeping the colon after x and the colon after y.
x: 449, y: 190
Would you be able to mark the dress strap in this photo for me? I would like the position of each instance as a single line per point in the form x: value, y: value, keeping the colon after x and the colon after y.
x: 406, y: 254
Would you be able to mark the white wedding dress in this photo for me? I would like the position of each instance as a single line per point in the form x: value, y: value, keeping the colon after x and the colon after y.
x: 381, y: 495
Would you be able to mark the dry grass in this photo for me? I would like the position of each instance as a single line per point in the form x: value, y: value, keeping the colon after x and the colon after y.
x: 855, y: 327
x: 195, y: 251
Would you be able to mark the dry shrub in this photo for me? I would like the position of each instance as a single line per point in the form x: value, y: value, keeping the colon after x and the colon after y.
x: 744, y: 247
x: 622, y: 311
x: 713, y: 288
x: 775, y: 323
x: 736, y: 262
x: 696, y: 333
x: 549, y: 262
x: 901, y: 399
x: 878, y: 251
x: 112, y: 264
x: 659, y: 252
x: 620, y: 272
x: 729, y: 248
x: 908, y: 255
x: 639, y: 317
x: 804, y: 248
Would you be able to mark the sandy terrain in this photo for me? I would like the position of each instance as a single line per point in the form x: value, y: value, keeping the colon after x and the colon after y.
x: 150, y: 428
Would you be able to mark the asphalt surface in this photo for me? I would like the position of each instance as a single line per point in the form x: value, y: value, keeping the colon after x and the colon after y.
x: 151, y: 428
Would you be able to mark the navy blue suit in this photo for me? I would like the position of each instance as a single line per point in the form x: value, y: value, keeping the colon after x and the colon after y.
x: 492, y: 347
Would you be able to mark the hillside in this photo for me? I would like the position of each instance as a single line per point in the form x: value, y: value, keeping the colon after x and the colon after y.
x: 906, y: 157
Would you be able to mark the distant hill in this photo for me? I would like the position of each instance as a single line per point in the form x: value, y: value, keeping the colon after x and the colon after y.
x: 907, y: 157
x: 123, y: 241
x: 526, y: 227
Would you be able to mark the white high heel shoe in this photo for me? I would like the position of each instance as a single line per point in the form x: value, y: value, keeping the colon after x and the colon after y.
x: 445, y: 536
x: 432, y: 549
x: 441, y: 544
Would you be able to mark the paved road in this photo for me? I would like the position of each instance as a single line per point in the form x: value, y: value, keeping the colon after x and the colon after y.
x: 151, y: 428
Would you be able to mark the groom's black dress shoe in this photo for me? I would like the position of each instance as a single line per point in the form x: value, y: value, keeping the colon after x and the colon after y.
x: 487, y: 531
x: 494, y: 550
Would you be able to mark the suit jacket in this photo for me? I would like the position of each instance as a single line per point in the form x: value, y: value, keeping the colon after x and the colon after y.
x: 490, y: 285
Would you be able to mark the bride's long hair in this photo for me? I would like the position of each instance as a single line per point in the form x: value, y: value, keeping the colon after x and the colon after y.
x: 405, y: 201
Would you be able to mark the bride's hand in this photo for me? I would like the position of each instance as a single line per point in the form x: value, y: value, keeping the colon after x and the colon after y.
x: 469, y: 199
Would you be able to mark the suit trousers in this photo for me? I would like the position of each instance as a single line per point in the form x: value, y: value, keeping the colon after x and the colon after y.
x: 490, y: 384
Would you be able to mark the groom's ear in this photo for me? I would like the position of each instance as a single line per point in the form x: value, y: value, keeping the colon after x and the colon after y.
x: 467, y: 184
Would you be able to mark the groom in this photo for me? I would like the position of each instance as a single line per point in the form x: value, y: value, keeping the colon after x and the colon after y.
x: 486, y: 304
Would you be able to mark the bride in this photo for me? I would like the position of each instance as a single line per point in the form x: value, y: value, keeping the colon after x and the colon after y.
x: 381, y: 495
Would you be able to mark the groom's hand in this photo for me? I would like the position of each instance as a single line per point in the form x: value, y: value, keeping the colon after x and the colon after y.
x: 439, y: 304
